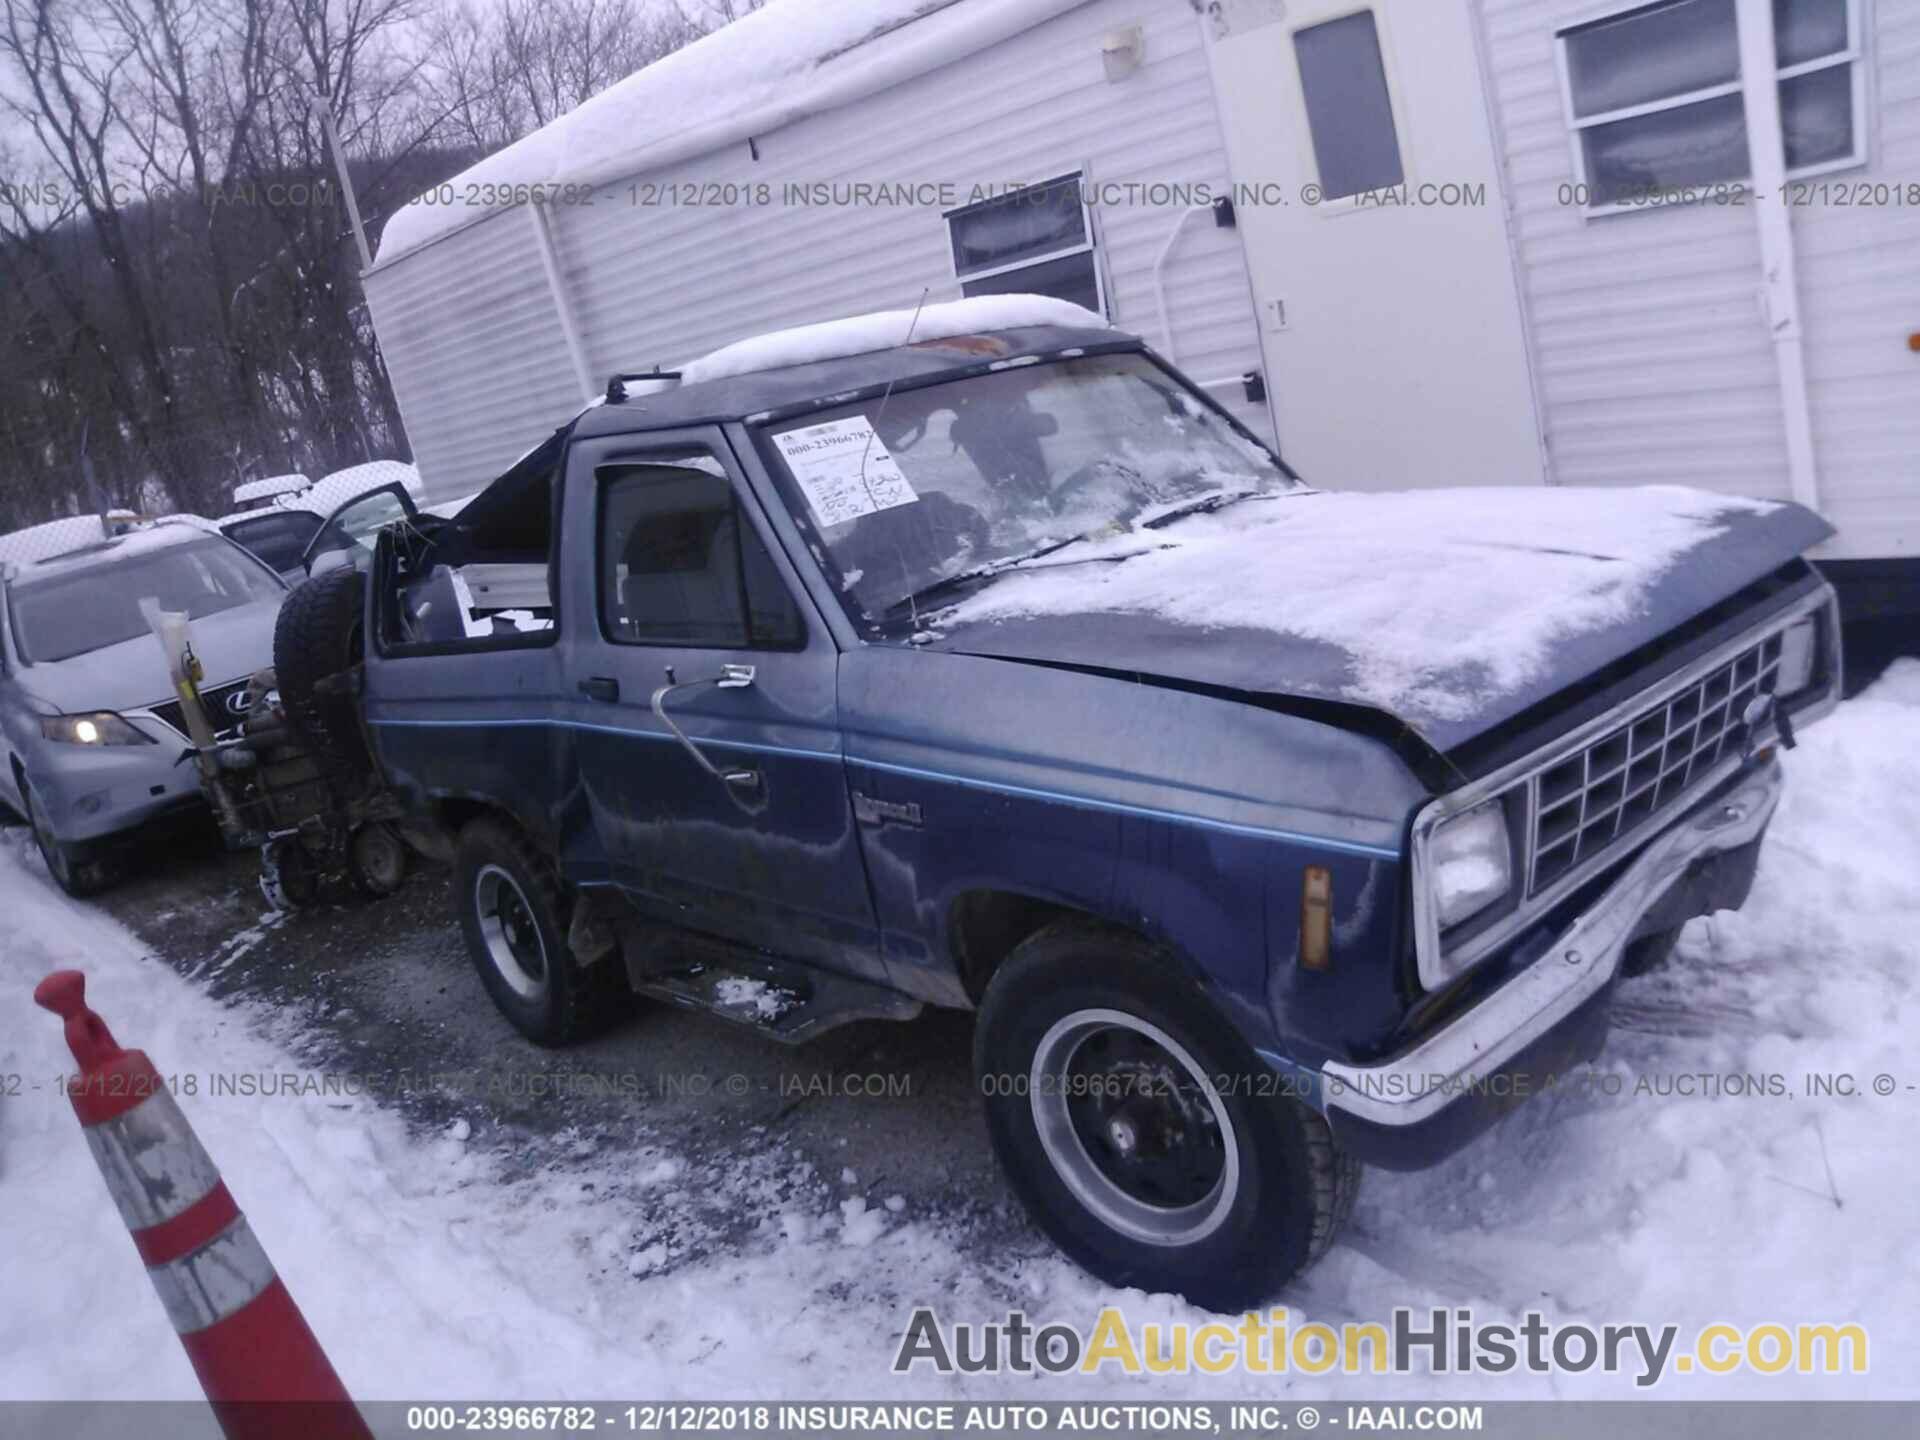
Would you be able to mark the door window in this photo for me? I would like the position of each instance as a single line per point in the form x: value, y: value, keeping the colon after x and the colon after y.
x: 1654, y: 95
x: 680, y: 565
x: 1349, y: 108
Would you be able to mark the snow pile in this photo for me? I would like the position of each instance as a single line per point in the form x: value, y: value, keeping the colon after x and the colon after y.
x: 431, y: 1271
x: 1443, y: 599
x: 886, y: 329
x: 792, y: 59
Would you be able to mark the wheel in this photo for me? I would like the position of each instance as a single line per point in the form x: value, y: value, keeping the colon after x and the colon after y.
x: 1649, y: 952
x: 287, y: 877
x: 76, y: 869
x: 1120, y: 1106
x: 318, y: 635
x: 376, y: 860
x: 514, y: 914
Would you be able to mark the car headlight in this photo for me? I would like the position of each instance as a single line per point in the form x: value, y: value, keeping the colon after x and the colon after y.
x: 100, y: 727
x: 1799, y: 643
x: 1471, y: 862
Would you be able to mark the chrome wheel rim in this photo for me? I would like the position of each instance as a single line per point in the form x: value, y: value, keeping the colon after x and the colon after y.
x: 1134, y: 1127
x: 510, y: 932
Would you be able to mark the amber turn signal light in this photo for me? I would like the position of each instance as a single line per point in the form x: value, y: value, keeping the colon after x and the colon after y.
x: 1316, y: 918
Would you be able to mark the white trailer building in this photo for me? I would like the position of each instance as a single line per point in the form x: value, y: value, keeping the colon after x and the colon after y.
x: 1419, y: 242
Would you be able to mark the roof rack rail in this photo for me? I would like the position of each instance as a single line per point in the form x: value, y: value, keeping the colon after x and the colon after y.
x: 617, y: 385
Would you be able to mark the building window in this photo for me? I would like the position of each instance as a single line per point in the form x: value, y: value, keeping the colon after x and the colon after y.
x: 1349, y: 106
x: 1654, y: 97
x: 1033, y: 241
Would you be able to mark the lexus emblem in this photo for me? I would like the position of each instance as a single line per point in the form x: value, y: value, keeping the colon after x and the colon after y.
x: 238, y: 703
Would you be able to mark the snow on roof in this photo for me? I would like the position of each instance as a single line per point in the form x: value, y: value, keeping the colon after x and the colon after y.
x: 271, y: 485
x: 1443, y: 600
x: 51, y: 537
x: 78, y: 547
x: 885, y: 329
x: 330, y: 492
x: 792, y: 59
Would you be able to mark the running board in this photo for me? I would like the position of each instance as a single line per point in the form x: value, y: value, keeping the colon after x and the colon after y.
x: 783, y: 1000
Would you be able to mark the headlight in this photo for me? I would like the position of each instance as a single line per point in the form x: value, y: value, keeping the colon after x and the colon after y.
x: 101, y: 727
x: 1798, y: 646
x: 1471, y: 862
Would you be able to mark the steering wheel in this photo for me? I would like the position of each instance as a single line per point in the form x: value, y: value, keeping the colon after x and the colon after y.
x: 1083, y: 477
x: 907, y: 439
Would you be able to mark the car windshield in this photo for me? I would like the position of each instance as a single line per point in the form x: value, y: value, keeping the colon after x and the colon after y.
x: 279, y: 537
x: 925, y: 491
x: 94, y: 606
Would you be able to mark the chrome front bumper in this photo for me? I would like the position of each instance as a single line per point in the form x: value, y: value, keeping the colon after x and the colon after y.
x: 1449, y: 1064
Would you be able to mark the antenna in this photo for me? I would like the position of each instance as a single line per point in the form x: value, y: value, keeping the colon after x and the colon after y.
x: 879, y: 414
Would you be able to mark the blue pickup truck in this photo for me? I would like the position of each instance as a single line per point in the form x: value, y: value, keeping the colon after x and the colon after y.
x: 1270, y: 831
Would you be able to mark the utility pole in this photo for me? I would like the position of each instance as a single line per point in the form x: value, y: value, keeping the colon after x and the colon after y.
x: 96, y: 502
x: 346, y: 181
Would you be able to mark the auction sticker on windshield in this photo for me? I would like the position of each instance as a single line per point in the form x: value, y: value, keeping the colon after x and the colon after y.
x: 844, y: 470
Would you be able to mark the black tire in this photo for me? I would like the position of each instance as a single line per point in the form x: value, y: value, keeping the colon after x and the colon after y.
x: 1265, y: 1219
x: 80, y: 870
x: 514, y: 914
x: 1649, y: 952
x: 376, y: 860
x: 317, y: 636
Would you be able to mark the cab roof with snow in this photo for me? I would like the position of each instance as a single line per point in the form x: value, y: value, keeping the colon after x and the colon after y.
x: 783, y: 373
x: 841, y: 360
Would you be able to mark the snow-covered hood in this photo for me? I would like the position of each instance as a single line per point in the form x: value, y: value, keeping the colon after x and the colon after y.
x: 1454, y: 610
x: 230, y: 644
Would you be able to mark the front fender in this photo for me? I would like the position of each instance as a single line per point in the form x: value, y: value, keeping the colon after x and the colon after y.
x: 1185, y: 817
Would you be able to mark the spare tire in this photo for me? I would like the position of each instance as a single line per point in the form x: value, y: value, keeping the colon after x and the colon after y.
x: 317, y: 637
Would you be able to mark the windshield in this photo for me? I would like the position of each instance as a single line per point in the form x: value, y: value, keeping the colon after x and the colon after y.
x: 955, y: 482
x: 99, y: 605
x: 279, y: 538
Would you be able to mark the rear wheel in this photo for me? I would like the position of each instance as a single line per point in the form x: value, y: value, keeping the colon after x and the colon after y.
x: 514, y: 914
x: 76, y: 869
x: 1142, y: 1132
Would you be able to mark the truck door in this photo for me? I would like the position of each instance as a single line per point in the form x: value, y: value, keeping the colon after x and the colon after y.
x: 704, y: 709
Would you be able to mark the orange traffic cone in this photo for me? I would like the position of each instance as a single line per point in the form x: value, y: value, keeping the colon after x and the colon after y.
x: 261, y: 1367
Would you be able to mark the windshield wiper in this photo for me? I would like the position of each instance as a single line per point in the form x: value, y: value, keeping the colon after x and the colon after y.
x: 1204, y: 505
x: 912, y: 604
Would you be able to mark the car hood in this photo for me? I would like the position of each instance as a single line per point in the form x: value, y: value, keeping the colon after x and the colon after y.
x: 133, y: 673
x: 1451, y: 610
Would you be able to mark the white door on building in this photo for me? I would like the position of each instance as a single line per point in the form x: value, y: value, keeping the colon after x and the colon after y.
x: 1372, y: 212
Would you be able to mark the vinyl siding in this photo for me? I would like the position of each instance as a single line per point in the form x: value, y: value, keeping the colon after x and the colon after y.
x: 475, y: 351
x: 1653, y: 356
x: 665, y: 284
x: 1860, y: 298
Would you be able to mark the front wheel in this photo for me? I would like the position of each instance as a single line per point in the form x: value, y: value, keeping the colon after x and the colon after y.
x: 514, y: 914
x: 75, y: 868
x: 1140, y: 1130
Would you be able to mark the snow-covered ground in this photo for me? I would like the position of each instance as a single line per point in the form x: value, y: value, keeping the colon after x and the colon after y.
x: 430, y: 1270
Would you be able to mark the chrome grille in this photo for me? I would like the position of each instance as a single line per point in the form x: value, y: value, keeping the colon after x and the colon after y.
x: 1641, y: 770
x: 225, y: 721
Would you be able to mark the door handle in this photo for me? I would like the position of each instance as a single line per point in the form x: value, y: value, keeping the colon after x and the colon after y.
x: 600, y: 687
x: 731, y: 677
